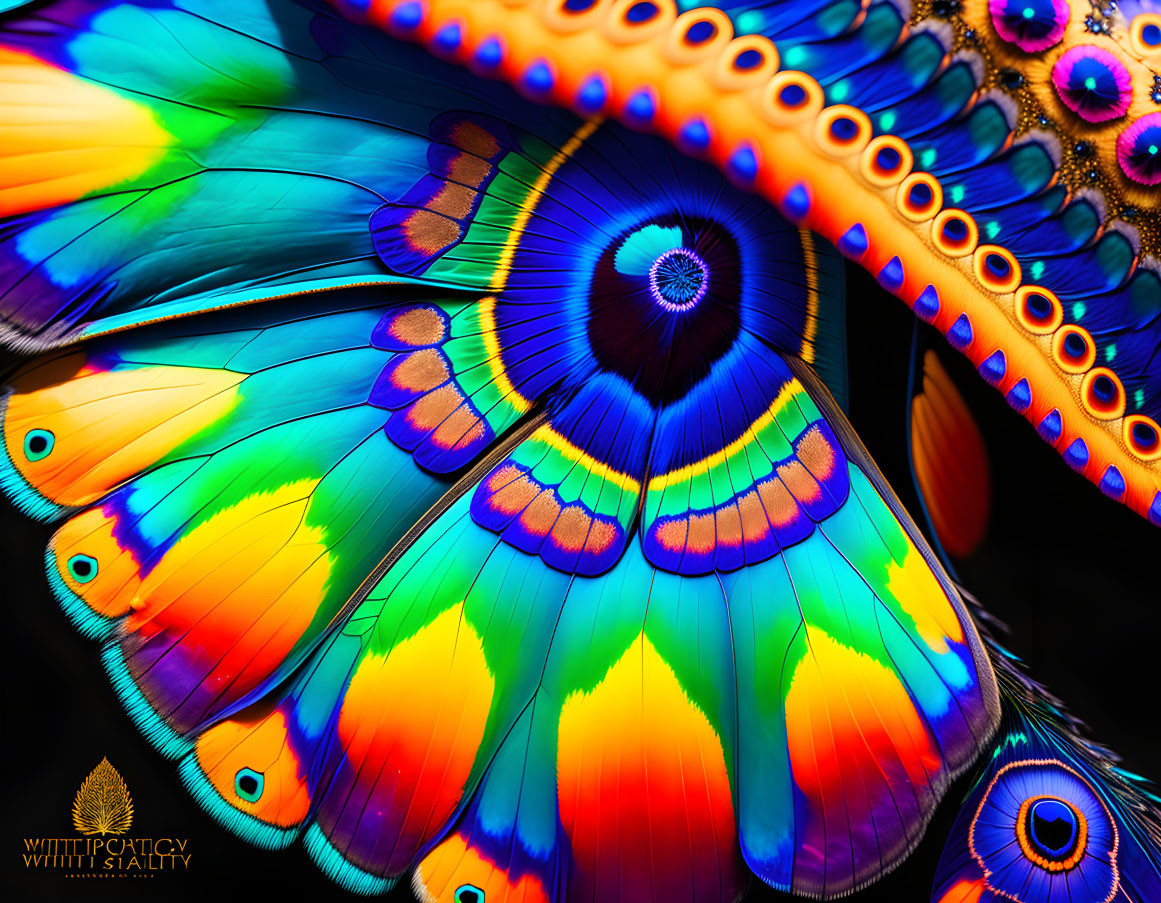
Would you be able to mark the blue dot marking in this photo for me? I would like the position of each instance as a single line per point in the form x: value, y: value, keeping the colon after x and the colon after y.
x: 490, y: 53
x: 743, y: 164
x: 854, y: 243
x: 891, y: 276
x: 1020, y: 396
x: 1076, y: 455
x: 927, y: 304
x: 960, y: 334
x: 695, y: 134
x: 994, y: 367
x: 538, y: 77
x: 1051, y: 426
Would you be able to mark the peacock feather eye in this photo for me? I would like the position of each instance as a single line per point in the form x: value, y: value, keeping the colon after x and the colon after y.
x: 1052, y: 832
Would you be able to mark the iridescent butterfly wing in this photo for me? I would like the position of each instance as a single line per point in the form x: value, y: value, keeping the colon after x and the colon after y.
x: 512, y: 540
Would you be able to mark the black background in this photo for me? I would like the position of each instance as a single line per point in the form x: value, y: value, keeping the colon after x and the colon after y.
x: 1073, y: 574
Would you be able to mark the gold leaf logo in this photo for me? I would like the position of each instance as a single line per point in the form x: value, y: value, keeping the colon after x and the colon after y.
x: 103, y: 804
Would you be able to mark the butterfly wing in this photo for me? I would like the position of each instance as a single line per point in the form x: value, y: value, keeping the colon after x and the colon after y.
x: 653, y: 507
x: 939, y: 150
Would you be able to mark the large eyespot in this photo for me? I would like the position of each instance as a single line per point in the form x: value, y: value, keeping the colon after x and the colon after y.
x: 38, y: 444
x: 82, y: 568
x: 249, y: 784
x: 469, y: 893
x: 1041, y: 831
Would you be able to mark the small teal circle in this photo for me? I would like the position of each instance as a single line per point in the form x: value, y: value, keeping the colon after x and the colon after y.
x: 38, y: 444
x: 249, y: 784
x: 82, y: 568
x: 469, y: 893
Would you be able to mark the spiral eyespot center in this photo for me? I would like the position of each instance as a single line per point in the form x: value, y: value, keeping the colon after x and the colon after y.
x: 249, y: 784
x: 82, y: 568
x: 38, y: 444
x: 678, y: 280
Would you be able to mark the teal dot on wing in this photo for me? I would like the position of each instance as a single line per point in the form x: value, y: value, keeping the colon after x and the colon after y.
x: 249, y: 784
x: 38, y: 444
x: 82, y: 568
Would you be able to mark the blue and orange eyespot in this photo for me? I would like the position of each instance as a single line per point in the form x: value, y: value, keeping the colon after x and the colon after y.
x: 1073, y: 349
x: 1052, y: 833
x: 791, y: 97
x: 920, y: 196
x: 747, y: 62
x: 955, y: 233
x: 1145, y: 34
x: 1143, y: 437
x: 1103, y: 394
x: 566, y: 16
x: 886, y: 161
x: 996, y: 268
x: 631, y: 21
x: 1042, y: 833
x: 842, y: 130
x: 697, y: 35
x: 1038, y: 310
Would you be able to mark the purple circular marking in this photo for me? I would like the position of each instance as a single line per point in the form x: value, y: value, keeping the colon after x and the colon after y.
x: 678, y: 280
x: 1093, y: 83
x: 1031, y: 25
x: 1139, y: 150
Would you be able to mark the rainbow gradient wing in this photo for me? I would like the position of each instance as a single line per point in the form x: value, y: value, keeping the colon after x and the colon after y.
x: 515, y: 540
